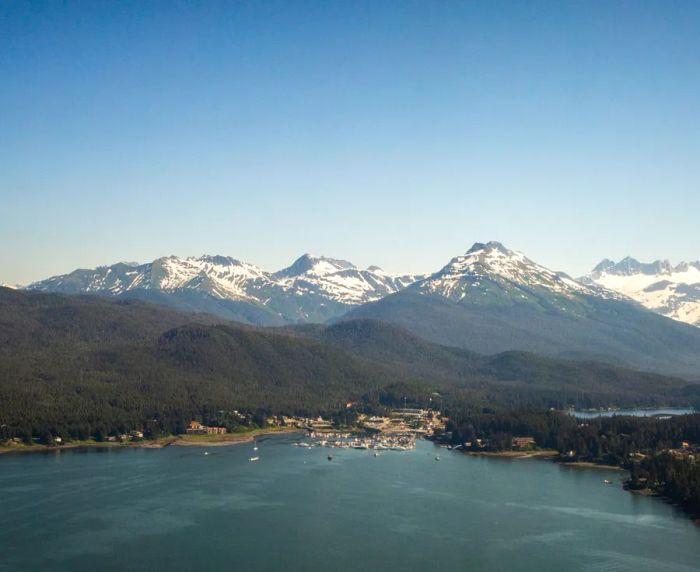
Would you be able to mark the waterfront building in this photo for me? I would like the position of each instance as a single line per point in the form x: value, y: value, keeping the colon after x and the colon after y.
x: 522, y: 442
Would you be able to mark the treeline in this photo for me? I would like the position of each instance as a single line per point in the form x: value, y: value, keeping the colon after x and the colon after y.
x: 675, y: 477
x: 605, y: 440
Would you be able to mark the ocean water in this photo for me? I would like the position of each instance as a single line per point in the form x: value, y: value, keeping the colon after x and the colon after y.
x: 177, y: 509
x: 663, y: 412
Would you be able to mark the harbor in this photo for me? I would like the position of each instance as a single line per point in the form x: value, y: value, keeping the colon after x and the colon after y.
x: 396, y: 431
x: 396, y: 442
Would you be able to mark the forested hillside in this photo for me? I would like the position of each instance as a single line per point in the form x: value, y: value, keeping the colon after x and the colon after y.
x: 81, y: 366
x: 510, y: 377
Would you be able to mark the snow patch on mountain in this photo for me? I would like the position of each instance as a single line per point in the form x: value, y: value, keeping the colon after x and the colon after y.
x: 311, y: 265
x: 221, y: 276
x: 672, y: 291
x: 340, y: 280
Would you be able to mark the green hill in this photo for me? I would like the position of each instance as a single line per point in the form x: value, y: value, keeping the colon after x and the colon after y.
x: 81, y: 365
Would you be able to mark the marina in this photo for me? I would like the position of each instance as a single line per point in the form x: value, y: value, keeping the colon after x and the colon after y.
x: 401, y: 442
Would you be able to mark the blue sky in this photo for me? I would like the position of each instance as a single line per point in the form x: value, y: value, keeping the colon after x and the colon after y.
x: 389, y: 133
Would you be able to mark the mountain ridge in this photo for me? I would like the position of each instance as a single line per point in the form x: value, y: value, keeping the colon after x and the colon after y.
x: 312, y: 288
x: 668, y: 290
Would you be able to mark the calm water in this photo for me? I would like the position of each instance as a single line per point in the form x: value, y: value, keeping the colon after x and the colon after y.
x: 664, y: 412
x: 176, y: 509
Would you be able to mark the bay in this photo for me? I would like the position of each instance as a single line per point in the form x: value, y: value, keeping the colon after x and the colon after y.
x: 179, y: 509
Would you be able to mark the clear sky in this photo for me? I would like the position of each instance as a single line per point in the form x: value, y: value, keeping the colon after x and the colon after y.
x: 390, y: 133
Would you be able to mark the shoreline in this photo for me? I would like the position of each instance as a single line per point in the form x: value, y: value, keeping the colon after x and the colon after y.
x: 542, y: 454
x: 177, y: 440
x: 590, y: 465
x: 230, y: 438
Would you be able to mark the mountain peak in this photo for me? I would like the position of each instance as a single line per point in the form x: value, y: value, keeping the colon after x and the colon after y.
x: 604, y: 265
x: 491, y: 245
x: 629, y: 266
x: 316, y: 265
x: 219, y: 260
x: 491, y: 267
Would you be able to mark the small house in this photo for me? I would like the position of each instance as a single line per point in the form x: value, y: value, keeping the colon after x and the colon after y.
x: 523, y: 442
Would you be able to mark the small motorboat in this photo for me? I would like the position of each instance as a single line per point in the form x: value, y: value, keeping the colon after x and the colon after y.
x: 607, y: 481
x: 206, y: 452
x: 437, y: 457
x: 254, y: 459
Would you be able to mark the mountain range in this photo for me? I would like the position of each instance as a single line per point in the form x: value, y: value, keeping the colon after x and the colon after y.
x: 312, y: 289
x: 493, y: 299
x: 489, y: 300
x: 672, y: 291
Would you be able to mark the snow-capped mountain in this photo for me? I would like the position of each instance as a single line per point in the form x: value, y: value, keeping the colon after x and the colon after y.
x: 219, y: 276
x: 672, y: 291
x: 492, y: 299
x: 313, y: 288
x: 340, y: 280
x: 492, y: 266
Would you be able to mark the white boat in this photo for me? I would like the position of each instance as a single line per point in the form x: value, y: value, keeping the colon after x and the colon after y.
x: 254, y: 459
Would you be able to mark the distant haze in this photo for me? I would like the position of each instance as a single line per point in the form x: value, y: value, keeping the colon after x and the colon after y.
x: 391, y: 133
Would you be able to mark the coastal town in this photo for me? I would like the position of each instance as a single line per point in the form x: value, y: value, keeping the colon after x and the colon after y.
x: 397, y: 431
